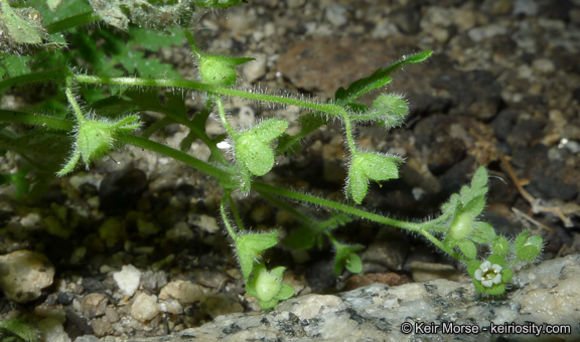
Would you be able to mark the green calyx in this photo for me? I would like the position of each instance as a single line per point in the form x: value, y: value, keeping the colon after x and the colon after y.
x: 267, y: 286
x: 369, y: 166
x: 219, y: 70
x: 253, y: 147
x: 96, y: 138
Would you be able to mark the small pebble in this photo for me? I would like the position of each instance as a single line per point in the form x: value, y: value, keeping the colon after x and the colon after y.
x: 183, y: 291
x: 128, y: 279
x: 144, y: 307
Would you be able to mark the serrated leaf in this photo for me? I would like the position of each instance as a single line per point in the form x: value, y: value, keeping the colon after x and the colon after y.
x: 467, y: 248
x: 250, y: 246
x: 483, y: 233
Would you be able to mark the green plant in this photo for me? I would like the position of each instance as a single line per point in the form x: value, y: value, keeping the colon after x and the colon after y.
x: 114, y: 96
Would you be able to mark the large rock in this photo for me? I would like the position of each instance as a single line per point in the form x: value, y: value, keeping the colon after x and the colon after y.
x: 23, y: 275
x: 544, y: 294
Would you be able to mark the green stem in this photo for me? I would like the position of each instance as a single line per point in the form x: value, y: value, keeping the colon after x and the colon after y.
x: 236, y: 214
x: 327, y: 108
x: 35, y: 119
x: 192, y: 44
x: 74, y: 21
x: 411, y: 226
x: 229, y: 228
x: 50, y: 75
x: 74, y: 104
x: 349, y: 137
x: 222, y: 176
x: 222, y: 114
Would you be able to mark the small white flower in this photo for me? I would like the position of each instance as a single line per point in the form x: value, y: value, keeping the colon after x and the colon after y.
x: 488, y: 274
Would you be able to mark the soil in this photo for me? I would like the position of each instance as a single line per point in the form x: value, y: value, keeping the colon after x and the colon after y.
x: 501, y: 90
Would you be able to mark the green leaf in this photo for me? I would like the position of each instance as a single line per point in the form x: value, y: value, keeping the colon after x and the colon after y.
x: 495, y: 290
x: 379, y: 167
x: 365, y: 166
x: 301, y: 238
x: 14, y: 65
x: 21, y: 328
x: 500, y: 246
x: 250, y: 246
x: 467, y: 248
x: 497, y: 260
x: 53, y: 4
x: 343, y: 255
x: 483, y: 233
x: 21, y: 30
x: 528, y: 248
x: 472, y: 266
x: 479, y: 179
x: 353, y: 263
x: 461, y: 227
x: 378, y: 79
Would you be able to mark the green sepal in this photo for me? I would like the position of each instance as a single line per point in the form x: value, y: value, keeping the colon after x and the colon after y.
x: 507, y: 275
x: 267, y: 287
x: 253, y: 149
x: 461, y: 227
x: 256, y: 155
x: 467, y: 248
x: 495, y: 290
x: 392, y: 109
x: 250, y: 246
x: 219, y: 70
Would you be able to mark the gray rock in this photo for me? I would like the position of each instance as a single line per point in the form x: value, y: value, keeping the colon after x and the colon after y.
x: 541, y: 295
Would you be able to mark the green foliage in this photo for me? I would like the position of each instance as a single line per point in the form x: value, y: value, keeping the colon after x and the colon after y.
x: 369, y: 166
x: 123, y: 75
x: 20, y: 328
